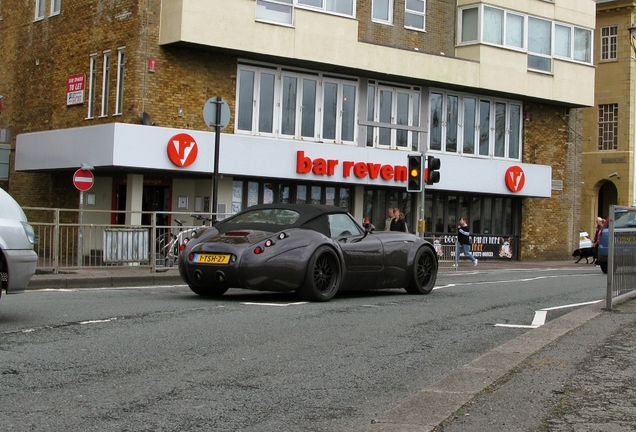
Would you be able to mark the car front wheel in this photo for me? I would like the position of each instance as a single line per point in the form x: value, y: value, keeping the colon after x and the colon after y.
x: 323, y: 277
x: 424, y: 272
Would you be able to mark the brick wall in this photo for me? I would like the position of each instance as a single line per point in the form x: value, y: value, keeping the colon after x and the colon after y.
x: 438, y: 38
x: 550, y: 226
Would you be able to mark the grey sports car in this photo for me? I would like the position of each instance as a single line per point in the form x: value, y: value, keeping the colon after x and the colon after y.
x: 315, y: 250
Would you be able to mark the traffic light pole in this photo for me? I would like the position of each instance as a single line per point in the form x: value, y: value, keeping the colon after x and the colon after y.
x: 422, y: 224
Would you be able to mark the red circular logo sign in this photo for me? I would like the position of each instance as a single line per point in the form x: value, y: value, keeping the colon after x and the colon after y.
x: 182, y: 150
x: 83, y: 179
x: 515, y: 178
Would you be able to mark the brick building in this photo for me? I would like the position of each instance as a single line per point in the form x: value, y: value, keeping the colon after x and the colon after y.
x: 609, y: 169
x: 326, y: 99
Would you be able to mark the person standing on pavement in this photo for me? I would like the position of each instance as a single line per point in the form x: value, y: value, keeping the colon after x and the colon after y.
x: 600, y: 224
x: 463, y: 242
x: 387, y: 224
x: 398, y: 223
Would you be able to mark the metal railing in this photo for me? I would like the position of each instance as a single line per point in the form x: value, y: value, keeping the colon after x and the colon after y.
x: 621, y: 257
x: 62, y: 243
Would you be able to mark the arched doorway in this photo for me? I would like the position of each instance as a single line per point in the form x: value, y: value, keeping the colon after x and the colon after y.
x: 607, y: 195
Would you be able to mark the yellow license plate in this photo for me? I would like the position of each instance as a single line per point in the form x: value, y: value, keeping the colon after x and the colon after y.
x: 212, y: 258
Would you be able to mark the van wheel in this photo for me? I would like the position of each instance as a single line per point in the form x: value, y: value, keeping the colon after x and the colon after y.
x: 603, y: 267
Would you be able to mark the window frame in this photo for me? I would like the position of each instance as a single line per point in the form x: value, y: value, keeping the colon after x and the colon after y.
x: 416, y: 13
x: 381, y: 128
x: 56, y: 7
x: 304, y: 81
x: 607, y: 127
x: 609, y: 43
x: 40, y: 8
x: 389, y: 5
x: 261, y: 5
x: 579, y: 37
x: 512, y: 134
x: 121, y: 74
x: 324, y: 6
x: 92, y: 86
x: 105, y: 83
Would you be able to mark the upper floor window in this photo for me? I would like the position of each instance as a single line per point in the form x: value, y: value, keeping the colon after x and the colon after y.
x: 56, y: 6
x: 415, y: 14
x: 121, y: 73
x: 105, y: 83
x: 609, y: 42
x: 608, y: 127
x: 298, y: 105
x: 542, y: 39
x: 92, y: 86
x: 396, y: 110
x: 382, y: 11
x: 344, y: 7
x: 473, y: 125
x: 278, y: 11
x: 39, y: 9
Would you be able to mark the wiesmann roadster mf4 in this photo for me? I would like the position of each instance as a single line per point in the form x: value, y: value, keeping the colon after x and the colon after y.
x: 315, y: 250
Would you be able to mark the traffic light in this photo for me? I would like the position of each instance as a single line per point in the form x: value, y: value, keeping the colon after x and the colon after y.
x: 414, y: 183
x: 432, y: 173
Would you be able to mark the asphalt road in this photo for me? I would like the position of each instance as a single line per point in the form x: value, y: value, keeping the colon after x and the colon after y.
x: 161, y: 358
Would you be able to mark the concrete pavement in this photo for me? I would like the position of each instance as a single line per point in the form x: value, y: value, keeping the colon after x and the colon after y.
x: 575, y: 373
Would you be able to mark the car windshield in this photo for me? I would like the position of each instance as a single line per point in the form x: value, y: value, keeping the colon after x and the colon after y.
x: 625, y: 219
x: 266, y: 216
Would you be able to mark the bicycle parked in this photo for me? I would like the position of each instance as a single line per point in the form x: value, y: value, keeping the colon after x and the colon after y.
x: 170, y: 244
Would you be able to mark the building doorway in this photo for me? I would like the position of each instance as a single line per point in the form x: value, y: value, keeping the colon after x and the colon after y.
x: 156, y: 197
x: 607, y: 196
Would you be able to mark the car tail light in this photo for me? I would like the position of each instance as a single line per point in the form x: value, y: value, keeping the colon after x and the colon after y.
x: 258, y: 250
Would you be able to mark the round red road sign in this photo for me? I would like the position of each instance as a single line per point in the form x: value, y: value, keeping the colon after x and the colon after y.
x: 83, y: 179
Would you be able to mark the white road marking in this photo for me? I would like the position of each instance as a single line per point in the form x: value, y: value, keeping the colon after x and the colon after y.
x: 541, y: 315
x: 97, y: 321
x: 272, y: 304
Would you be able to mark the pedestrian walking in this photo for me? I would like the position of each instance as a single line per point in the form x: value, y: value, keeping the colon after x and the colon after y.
x: 367, y: 224
x: 600, y: 224
x: 463, y: 242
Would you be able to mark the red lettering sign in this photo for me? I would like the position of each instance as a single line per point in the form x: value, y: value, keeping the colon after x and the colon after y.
x: 515, y: 178
x: 320, y: 166
x: 182, y: 150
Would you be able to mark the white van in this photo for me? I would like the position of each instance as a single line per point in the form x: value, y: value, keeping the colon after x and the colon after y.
x: 17, y: 257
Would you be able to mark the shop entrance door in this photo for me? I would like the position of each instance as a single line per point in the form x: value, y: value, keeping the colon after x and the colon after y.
x: 156, y: 197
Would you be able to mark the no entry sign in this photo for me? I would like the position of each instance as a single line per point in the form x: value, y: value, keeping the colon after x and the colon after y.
x: 83, y: 179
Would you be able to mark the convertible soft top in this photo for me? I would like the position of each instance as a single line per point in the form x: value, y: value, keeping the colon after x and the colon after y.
x: 306, y: 214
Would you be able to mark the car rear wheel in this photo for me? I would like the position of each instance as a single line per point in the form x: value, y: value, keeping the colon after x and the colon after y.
x: 603, y: 266
x: 323, y: 277
x: 208, y: 291
x: 424, y: 272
